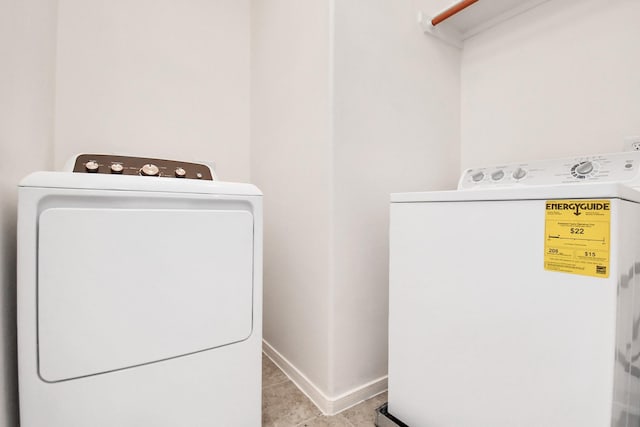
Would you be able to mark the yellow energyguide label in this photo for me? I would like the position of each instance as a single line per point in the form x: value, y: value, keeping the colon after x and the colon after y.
x: 576, y: 236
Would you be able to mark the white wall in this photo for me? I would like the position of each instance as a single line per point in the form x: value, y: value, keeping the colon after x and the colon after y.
x: 350, y: 101
x: 158, y: 78
x: 560, y: 80
x: 291, y: 163
x: 396, y: 128
x: 27, y: 52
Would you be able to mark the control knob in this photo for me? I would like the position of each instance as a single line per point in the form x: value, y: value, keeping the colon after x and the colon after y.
x: 584, y: 168
x: 519, y: 173
x: 150, y: 170
x: 497, y: 175
x: 92, y: 166
x: 116, y: 168
x: 477, y: 177
x: 180, y: 172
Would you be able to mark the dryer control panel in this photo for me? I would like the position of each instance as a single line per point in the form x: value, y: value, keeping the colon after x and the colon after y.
x: 142, y: 166
x: 621, y: 167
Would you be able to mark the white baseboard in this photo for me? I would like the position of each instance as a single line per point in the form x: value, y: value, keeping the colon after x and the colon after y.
x: 327, y: 405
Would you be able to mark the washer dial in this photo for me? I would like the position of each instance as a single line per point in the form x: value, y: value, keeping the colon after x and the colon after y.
x: 584, y: 169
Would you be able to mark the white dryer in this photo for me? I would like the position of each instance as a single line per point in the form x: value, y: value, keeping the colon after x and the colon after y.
x: 139, y: 296
x: 515, y: 300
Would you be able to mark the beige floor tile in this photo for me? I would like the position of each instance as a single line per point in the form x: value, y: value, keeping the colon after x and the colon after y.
x: 324, y: 421
x: 364, y: 414
x: 271, y: 374
x: 283, y: 405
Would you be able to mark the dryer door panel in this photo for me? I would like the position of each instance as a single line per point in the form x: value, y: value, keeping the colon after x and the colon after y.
x: 124, y: 287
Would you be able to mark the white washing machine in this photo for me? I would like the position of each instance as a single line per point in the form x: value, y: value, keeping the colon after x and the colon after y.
x: 139, y: 296
x: 515, y: 300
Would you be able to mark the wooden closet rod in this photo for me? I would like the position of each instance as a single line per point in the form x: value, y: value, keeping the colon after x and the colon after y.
x: 452, y: 11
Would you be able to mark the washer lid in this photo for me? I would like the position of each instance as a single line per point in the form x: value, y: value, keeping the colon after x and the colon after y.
x: 136, y: 183
x: 563, y: 191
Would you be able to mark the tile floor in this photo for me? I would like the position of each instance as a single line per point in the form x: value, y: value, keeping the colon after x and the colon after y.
x: 284, y: 405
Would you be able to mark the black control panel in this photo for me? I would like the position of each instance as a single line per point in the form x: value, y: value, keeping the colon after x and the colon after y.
x: 142, y: 166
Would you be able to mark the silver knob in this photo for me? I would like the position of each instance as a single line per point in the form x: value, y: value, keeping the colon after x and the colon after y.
x: 92, y: 166
x: 519, y: 173
x: 180, y: 173
x: 497, y: 175
x: 116, y: 168
x: 477, y: 177
x: 150, y: 170
x: 584, y: 168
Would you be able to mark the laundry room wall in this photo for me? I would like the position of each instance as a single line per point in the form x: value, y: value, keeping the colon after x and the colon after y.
x: 396, y: 116
x: 158, y: 78
x: 559, y: 80
x: 348, y: 105
x: 291, y: 163
x: 27, y: 59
